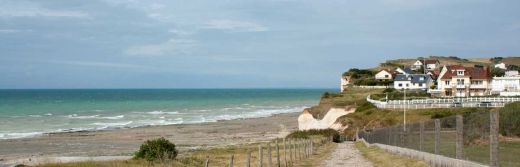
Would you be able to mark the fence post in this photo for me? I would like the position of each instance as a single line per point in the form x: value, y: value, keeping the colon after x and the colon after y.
x: 248, y: 163
x: 284, y: 153
x: 493, y: 139
x: 312, y: 147
x: 459, y: 146
x: 437, y: 135
x: 299, y: 149
x: 421, y: 135
x: 207, y: 161
x: 269, y: 156
x: 277, y: 154
x: 291, y: 147
x: 260, y: 158
x: 231, y: 161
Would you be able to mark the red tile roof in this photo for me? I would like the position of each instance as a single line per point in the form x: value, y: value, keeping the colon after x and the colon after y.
x: 471, y: 72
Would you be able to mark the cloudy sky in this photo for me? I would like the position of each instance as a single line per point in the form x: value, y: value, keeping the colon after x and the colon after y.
x: 237, y: 44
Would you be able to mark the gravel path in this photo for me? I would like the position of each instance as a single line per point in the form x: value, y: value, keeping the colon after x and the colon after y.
x: 346, y: 154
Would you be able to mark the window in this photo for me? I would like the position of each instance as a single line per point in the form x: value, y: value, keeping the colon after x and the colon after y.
x: 386, y: 76
x: 407, y: 85
x: 420, y: 84
x: 460, y: 81
x: 421, y: 78
x: 460, y: 72
x: 400, y: 85
x: 447, y: 82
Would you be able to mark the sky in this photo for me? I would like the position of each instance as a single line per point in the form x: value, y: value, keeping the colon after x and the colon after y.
x: 237, y: 43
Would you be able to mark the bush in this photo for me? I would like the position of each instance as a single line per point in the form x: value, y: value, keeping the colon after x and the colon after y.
x: 510, y: 120
x: 365, y: 106
x: 156, y: 149
x: 315, y: 132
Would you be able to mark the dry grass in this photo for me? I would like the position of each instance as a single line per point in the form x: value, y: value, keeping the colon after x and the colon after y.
x: 217, y: 156
x: 380, y: 158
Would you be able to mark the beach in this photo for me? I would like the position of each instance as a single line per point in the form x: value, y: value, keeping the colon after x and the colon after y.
x: 124, y: 142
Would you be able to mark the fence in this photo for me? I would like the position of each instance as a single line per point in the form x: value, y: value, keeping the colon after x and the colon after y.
x: 469, y: 140
x: 444, y: 103
x: 283, y: 153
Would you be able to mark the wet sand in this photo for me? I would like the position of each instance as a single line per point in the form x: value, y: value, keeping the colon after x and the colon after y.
x: 124, y: 142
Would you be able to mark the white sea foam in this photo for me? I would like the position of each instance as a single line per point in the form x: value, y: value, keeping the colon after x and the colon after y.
x: 75, y: 116
x: 35, y: 116
x: 48, y: 114
x: 112, y: 124
x: 161, y: 112
x: 114, y: 117
x: 19, y: 135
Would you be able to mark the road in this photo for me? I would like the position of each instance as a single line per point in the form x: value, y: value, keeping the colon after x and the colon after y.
x: 346, y: 154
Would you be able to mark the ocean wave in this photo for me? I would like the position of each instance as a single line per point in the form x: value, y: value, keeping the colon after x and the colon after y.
x: 114, y: 117
x: 159, y: 112
x: 75, y: 116
x: 19, y: 135
x: 112, y: 124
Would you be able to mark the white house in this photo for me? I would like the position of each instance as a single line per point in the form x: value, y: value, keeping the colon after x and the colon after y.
x: 432, y: 64
x: 383, y: 75
x: 501, y: 65
x: 418, y: 64
x: 413, y: 82
x: 506, y: 86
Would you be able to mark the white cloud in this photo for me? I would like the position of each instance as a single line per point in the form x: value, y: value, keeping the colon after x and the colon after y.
x: 170, y: 47
x: 97, y: 64
x: 9, y: 31
x: 236, y: 26
x: 33, y: 10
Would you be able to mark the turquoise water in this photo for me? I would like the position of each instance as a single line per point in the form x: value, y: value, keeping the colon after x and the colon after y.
x: 28, y: 113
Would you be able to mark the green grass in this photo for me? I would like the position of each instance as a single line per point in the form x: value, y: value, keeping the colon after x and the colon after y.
x: 380, y: 158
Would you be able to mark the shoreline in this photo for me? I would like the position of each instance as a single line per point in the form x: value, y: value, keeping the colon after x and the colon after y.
x: 125, y: 141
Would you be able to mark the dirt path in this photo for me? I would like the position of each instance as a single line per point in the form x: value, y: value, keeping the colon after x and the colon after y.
x: 346, y: 154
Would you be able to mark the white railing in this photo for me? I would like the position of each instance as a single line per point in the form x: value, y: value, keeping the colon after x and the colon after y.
x: 445, y: 103
x: 371, y: 87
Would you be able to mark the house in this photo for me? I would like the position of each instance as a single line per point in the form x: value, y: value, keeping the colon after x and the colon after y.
x: 508, y: 85
x: 418, y: 64
x: 383, y: 75
x: 432, y: 64
x: 412, y: 82
x: 501, y: 65
x: 460, y: 81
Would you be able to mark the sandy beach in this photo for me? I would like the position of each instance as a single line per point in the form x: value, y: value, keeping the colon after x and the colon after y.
x: 123, y: 142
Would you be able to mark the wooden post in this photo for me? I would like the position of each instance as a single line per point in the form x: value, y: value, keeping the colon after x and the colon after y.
x: 437, y: 135
x: 493, y: 138
x: 269, y: 157
x: 284, y: 153
x: 421, y: 135
x: 305, y: 149
x: 277, y: 154
x: 459, y: 145
x: 291, y: 150
x: 312, y: 147
x: 260, y: 158
x: 207, y: 161
x: 248, y: 163
x: 231, y: 161
x: 299, y: 145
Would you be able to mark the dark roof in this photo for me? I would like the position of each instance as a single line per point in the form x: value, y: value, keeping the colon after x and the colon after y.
x: 408, y: 70
x: 414, y: 78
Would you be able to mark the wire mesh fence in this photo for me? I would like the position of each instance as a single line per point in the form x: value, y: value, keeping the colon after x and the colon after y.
x: 472, y: 137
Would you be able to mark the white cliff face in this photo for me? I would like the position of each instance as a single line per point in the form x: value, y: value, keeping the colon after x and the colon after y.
x: 306, y: 121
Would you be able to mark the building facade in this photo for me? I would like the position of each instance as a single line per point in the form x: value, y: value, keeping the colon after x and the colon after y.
x: 460, y: 81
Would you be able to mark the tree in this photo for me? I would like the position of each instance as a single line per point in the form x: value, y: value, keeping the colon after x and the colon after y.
x: 156, y: 149
x: 497, y: 72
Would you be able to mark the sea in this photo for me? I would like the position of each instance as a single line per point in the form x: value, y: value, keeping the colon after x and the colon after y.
x: 35, y: 112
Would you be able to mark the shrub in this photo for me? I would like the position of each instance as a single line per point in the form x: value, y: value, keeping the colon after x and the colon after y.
x: 365, y: 106
x: 510, y: 120
x: 156, y: 149
x: 305, y: 134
